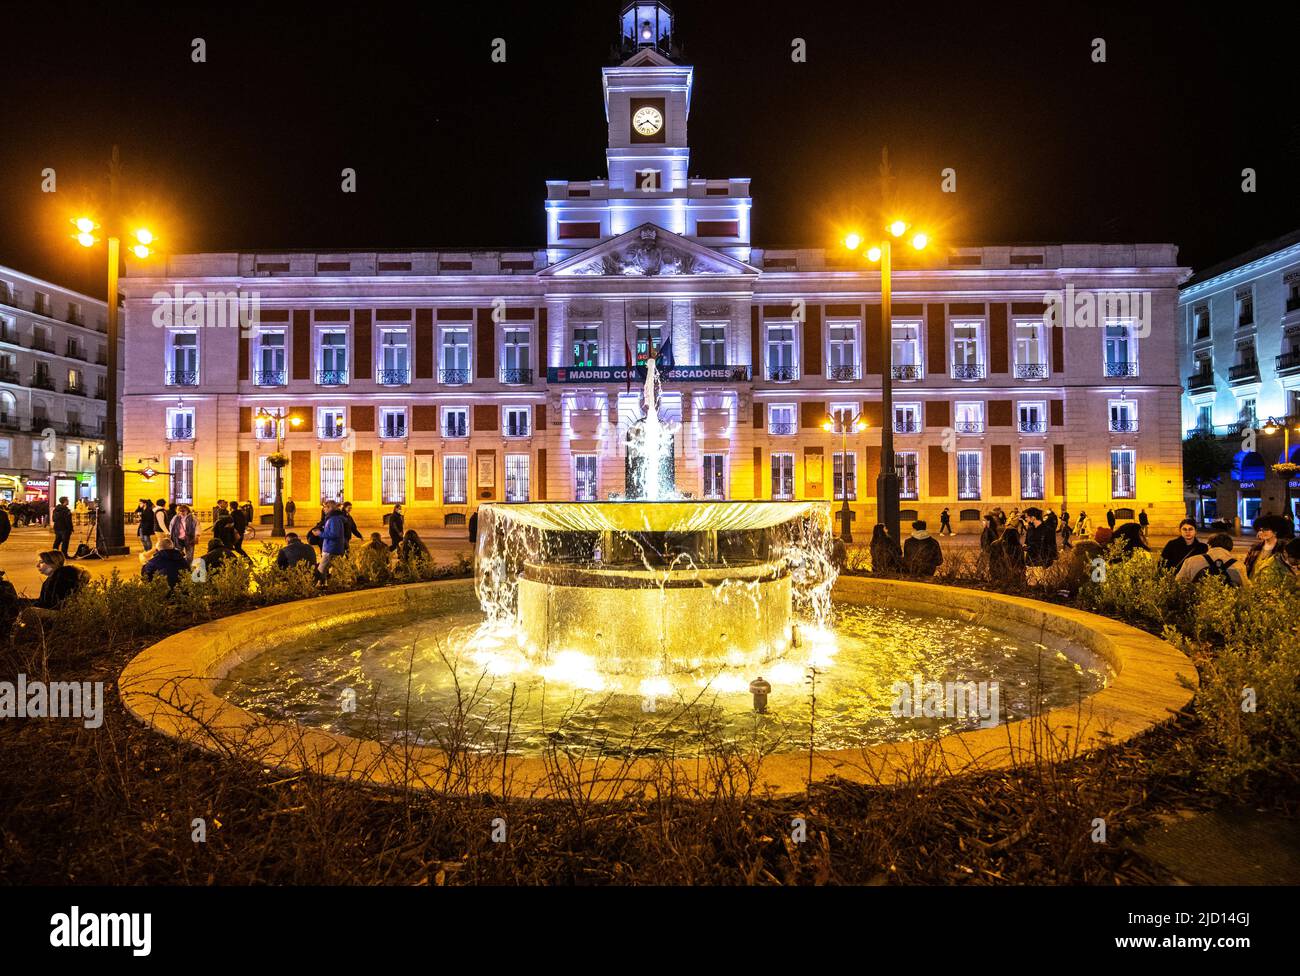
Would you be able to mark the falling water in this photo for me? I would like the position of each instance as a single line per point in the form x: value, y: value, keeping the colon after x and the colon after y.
x: 651, y: 441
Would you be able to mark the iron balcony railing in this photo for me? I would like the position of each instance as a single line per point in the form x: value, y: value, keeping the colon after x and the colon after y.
x: 906, y: 373
x: 393, y: 431
x: 9, y: 376
x: 393, y: 377
x: 1031, y: 371
x: 180, y: 433
x: 907, y: 427
x: 782, y: 374
x: 782, y: 429
x: 968, y: 371
x: 270, y: 377
x: 1123, y: 426
x: 8, y: 422
x: 1033, y: 426
x: 182, y: 377
x: 969, y: 426
x: 330, y: 433
x: 517, y: 376
x: 331, y: 377
x: 1292, y: 304
x: 10, y: 336
x: 1200, y: 380
x: 40, y: 382
x: 41, y: 346
x: 453, y: 377
x: 1122, y: 369
x: 455, y: 431
x: 843, y: 373
x: 1288, y: 361
x: 75, y: 390
x: 1248, y: 370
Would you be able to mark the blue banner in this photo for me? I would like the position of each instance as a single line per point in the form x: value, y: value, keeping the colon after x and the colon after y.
x: 625, y: 374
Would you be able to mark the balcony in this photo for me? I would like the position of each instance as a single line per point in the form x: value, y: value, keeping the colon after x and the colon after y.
x: 182, y: 377
x: 453, y: 377
x: 1031, y: 371
x: 9, y: 376
x: 101, y: 360
x: 782, y: 429
x: 517, y: 432
x: 1123, y: 426
x: 1247, y: 372
x: 969, y: 426
x: 10, y: 336
x: 74, y: 353
x: 40, y: 345
x: 517, y: 377
x: 331, y: 377
x: 270, y: 377
x: 1288, y: 362
x: 10, y: 422
x: 1122, y: 369
x: 454, y: 432
x: 911, y: 426
x: 393, y: 432
x: 74, y: 389
x: 905, y: 374
x: 330, y: 433
x: 1032, y: 426
x: 180, y: 433
x: 781, y: 374
x: 968, y: 371
x: 1293, y: 304
x: 393, y: 377
x: 101, y: 393
x: 1203, y: 380
x: 843, y: 374
x: 41, y: 382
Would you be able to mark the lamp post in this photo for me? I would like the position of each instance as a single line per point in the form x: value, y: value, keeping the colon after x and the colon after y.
x: 1285, y: 468
x: 278, y: 461
x: 887, y: 481
x: 111, y: 535
x: 834, y: 424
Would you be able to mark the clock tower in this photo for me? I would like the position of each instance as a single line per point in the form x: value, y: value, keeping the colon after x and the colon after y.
x: 647, y: 105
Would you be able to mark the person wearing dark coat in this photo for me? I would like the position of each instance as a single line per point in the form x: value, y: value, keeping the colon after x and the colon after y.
x: 921, y: 553
x: 62, y: 523
x: 990, y: 533
x: 886, y: 557
x: 945, y: 523
x: 295, y: 551
x: 239, y: 520
x: 168, y: 562
x: 396, y: 526
x: 1178, y: 549
x: 216, y: 556
x: 353, y: 531
x: 411, y: 549
x: 61, y: 581
x: 1130, y: 534
x: 1110, y: 517
x: 5, y: 525
x: 145, y: 523
x: 224, y: 529
x: 289, y: 509
x: 1007, y: 559
x: 1040, y: 539
x: 473, y: 528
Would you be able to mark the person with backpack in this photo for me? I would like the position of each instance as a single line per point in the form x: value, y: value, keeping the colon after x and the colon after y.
x: 334, y: 537
x: 1216, y: 561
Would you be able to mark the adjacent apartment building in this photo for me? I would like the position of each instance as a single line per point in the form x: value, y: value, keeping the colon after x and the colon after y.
x: 445, y: 378
x: 1240, y: 339
x: 53, y: 362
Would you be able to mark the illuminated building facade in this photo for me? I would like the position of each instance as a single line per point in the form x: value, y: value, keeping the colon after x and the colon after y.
x: 443, y: 379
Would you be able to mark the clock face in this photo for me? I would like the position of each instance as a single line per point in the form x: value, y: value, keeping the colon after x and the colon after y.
x: 647, y: 121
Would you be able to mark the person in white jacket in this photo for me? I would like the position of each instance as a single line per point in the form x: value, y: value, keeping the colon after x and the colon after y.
x: 1218, y: 561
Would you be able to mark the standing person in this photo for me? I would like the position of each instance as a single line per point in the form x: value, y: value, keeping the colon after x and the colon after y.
x: 352, y: 524
x: 1144, y: 523
x: 334, y: 537
x: 1066, y: 528
x: 945, y: 523
x: 921, y: 553
x: 886, y: 556
x: 1001, y: 516
x: 239, y: 525
x: 1182, y: 546
x: 62, y: 522
x: 160, y: 517
x: 184, y: 531
x: 5, y: 525
x: 1040, y: 540
x: 396, y: 526
x: 289, y: 509
x: 1083, y: 528
x: 169, y: 514
x: 145, y: 523
x: 1110, y: 518
x: 1007, y: 559
x: 990, y: 533
x: 473, y: 528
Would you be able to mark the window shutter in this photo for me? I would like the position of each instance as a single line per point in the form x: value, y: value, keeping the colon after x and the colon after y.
x: 874, y: 355
x: 424, y: 356
x: 937, y: 471
x: 1000, y: 461
x: 936, y: 341
x: 486, y: 366
x: 938, y: 413
x: 362, y: 346
x: 758, y: 416
x: 363, y: 419
x: 812, y: 341
x: 998, y: 339
x: 301, y: 344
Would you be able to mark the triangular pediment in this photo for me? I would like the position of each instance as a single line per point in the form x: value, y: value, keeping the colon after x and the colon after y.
x: 649, y: 251
x: 648, y: 57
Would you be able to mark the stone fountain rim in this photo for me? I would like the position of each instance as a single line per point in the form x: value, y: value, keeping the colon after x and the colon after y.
x: 170, y: 686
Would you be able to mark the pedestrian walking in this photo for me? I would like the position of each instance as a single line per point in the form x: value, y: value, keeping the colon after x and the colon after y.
x: 945, y: 523
x: 62, y: 522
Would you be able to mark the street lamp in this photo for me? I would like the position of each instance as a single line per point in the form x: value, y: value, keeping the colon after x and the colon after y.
x: 1285, y: 468
x: 278, y: 461
x: 841, y: 424
x: 887, y: 482
x: 108, y: 469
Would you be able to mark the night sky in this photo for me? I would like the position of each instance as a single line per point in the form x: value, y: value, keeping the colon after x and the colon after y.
x: 451, y: 150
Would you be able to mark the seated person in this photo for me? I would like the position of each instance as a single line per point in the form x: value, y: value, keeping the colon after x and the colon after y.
x: 1217, y: 561
x: 295, y: 552
x: 166, y: 561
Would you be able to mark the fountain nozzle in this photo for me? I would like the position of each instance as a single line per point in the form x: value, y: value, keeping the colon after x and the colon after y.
x: 760, y: 688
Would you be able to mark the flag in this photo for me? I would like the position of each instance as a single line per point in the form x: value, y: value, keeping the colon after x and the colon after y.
x: 627, y: 352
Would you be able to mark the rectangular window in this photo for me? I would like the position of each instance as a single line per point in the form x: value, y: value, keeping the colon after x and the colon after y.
x: 584, y: 476
x: 517, y: 421
x: 455, y: 479
x: 715, y: 479
x: 586, y: 345
x: 264, y: 428
x: 516, y: 477
x: 182, y: 480
x: 713, y: 345
x: 905, y: 348
x: 970, y: 418
x: 1123, y: 473
x: 454, y: 370
x: 1123, y: 417
x: 782, y: 419
x: 1031, y: 350
x: 1031, y: 474
x: 1201, y: 323
x: 331, y: 477
x: 333, y: 358
x: 842, y: 363
x: 72, y: 457
x: 1245, y: 309
x: 968, y: 474
x: 180, y: 424
x: 270, y: 369
x: 393, y: 476
x: 907, y: 418
x: 905, y: 463
x: 331, y: 422
x: 455, y: 422
x: 780, y: 353
x: 392, y: 422
x: 844, y: 416
x: 1205, y: 417
x: 649, y: 340
x: 394, y: 361
x: 265, y: 481
x: 967, y: 358
x: 6, y: 450
x: 1032, y: 417
x: 1248, y: 415
x: 182, y: 359
x: 783, y: 477
x: 843, y: 462
x: 1120, y: 348
x: 518, y: 362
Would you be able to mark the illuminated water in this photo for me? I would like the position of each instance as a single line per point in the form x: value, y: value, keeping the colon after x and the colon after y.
x: 414, y: 680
